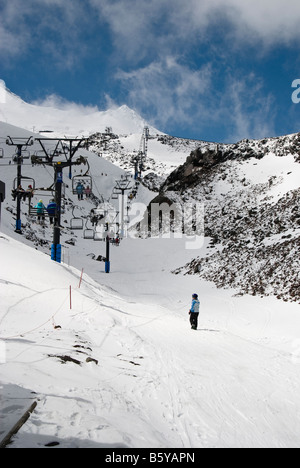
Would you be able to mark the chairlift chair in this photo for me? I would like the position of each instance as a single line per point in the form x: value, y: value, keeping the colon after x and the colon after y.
x: 25, y: 155
x: 33, y: 212
x: 27, y: 180
x: 76, y: 223
x: 98, y: 236
x: 88, y: 233
x: 1, y: 153
x: 38, y: 157
x: 85, y: 179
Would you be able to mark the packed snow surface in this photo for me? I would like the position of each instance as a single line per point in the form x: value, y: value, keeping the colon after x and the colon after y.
x: 150, y: 381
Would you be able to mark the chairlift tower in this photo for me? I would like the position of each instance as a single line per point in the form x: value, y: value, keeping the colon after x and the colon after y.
x: 66, y: 147
x: 121, y: 187
x: 2, y: 195
x: 20, y: 143
x: 143, y: 151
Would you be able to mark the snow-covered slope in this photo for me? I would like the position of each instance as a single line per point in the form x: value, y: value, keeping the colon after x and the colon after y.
x: 251, y: 195
x: 164, y: 153
x: 58, y: 119
x: 67, y: 118
x: 122, y: 368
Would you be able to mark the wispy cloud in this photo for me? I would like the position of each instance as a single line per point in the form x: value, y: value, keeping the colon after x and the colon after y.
x: 146, y: 28
x: 154, y: 41
x: 247, y: 109
x: 169, y: 93
x: 166, y: 90
x: 51, y: 27
x: 147, y: 25
x: 58, y: 102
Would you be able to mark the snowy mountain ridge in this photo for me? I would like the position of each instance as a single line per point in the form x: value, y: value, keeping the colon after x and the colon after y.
x: 60, y: 118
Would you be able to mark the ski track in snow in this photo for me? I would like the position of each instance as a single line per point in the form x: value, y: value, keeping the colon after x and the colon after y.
x: 158, y: 384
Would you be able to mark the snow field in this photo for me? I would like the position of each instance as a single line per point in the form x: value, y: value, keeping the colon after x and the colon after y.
x: 232, y: 383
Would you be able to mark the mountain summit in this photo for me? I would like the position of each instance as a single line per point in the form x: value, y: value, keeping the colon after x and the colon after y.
x: 61, y: 117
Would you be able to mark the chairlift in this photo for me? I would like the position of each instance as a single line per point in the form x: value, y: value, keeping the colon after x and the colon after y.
x: 24, y: 179
x: 102, y: 232
x: 33, y: 212
x: 24, y: 155
x: 42, y: 192
x: 99, y: 236
x: 38, y: 157
x: 85, y: 180
x: 76, y: 223
x: 89, y: 234
x: 123, y: 184
x: 115, y: 241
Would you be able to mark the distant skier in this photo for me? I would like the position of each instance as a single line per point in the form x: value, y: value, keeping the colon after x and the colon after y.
x: 194, y: 312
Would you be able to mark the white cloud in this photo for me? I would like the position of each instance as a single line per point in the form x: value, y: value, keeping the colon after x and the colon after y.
x: 10, y: 45
x: 145, y: 28
x: 246, y: 108
x: 272, y: 21
x: 58, y: 102
x: 171, y: 94
x: 166, y: 90
x: 51, y: 27
x: 141, y: 25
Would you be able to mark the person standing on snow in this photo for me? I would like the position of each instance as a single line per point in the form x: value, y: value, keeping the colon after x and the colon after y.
x: 194, y: 312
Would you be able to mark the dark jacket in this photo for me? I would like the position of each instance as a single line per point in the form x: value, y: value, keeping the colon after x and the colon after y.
x: 51, y: 209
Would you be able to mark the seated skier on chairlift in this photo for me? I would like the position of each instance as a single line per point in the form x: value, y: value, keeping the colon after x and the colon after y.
x: 80, y: 190
x: 29, y: 192
x: 51, y: 209
x: 88, y: 191
x: 21, y: 193
x: 40, y: 211
x: 18, y: 192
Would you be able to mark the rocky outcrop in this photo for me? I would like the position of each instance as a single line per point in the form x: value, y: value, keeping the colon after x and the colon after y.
x: 254, y: 231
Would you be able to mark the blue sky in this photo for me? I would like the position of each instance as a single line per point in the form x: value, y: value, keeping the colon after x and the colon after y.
x: 218, y: 70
